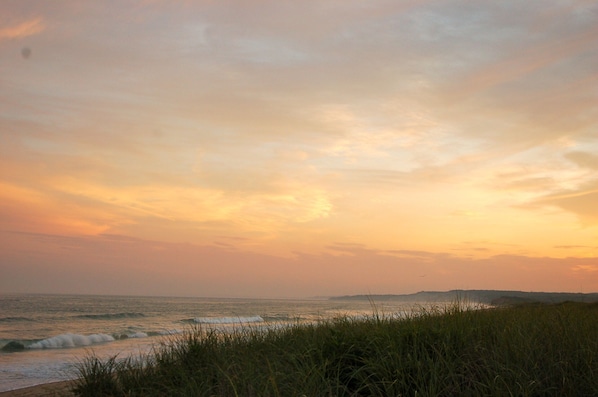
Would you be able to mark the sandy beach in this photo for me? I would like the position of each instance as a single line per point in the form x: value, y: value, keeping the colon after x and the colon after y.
x: 55, y: 389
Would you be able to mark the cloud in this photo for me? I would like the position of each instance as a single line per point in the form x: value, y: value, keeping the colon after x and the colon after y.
x: 573, y: 246
x: 583, y: 159
x: 22, y: 29
x: 119, y: 264
x: 581, y: 201
x: 518, y: 65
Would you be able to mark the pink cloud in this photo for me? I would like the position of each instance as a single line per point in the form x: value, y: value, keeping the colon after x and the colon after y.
x: 23, y: 29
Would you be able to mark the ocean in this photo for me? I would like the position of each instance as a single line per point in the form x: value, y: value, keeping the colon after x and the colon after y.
x: 58, y: 331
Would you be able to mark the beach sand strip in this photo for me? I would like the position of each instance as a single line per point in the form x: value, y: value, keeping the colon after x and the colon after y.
x: 55, y: 389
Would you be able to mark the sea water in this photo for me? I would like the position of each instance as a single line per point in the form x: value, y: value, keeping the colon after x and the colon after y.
x: 59, y: 331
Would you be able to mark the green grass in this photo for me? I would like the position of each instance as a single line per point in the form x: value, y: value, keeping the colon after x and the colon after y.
x: 528, y: 350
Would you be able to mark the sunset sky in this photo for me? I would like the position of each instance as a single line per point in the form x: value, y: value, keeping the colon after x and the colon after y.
x: 298, y: 148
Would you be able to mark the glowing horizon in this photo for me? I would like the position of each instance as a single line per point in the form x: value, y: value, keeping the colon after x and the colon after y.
x: 281, y: 149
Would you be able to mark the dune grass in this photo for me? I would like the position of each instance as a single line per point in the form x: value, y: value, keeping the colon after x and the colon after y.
x: 528, y: 350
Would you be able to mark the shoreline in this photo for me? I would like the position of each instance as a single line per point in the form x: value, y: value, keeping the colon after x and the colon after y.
x: 53, y: 389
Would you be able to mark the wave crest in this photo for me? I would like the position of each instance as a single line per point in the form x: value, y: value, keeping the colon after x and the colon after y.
x: 71, y: 340
x: 228, y: 320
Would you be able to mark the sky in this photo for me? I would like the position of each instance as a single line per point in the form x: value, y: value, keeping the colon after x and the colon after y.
x: 287, y: 149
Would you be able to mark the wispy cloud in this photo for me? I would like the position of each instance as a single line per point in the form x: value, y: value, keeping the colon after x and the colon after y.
x: 18, y: 30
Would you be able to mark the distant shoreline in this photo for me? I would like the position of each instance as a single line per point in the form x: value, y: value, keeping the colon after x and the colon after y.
x: 490, y: 297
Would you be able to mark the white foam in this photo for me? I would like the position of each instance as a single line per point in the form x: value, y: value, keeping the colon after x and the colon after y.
x: 138, y: 335
x: 71, y: 340
x: 228, y: 320
x: 171, y: 332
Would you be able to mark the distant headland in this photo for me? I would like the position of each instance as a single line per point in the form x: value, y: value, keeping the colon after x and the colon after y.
x: 489, y: 297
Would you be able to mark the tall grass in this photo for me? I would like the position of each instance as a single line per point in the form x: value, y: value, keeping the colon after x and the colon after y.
x: 530, y: 350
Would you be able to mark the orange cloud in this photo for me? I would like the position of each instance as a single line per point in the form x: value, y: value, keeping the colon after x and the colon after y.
x: 23, y: 29
x: 581, y: 202
x: 25, y: 209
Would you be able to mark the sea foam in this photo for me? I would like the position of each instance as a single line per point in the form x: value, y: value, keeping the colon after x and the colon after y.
x: 228, y: 320
x: 138, y: 335
x: 71, y: 340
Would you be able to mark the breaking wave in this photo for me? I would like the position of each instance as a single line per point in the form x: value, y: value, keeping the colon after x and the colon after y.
x: 167, y: 332
x: 227, y: 320
x: 71, y: 340
x: 138, y: 335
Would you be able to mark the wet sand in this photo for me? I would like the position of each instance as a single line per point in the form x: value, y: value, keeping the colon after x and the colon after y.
x: 56, y: 389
